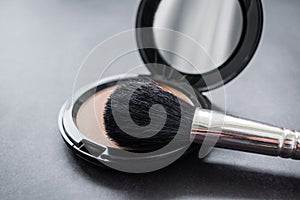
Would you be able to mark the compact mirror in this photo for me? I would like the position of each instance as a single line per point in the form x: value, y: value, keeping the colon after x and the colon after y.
x: 227, y: 34
x: 216, y: 26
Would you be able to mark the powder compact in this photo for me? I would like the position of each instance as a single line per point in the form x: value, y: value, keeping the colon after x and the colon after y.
x: 207, y: 52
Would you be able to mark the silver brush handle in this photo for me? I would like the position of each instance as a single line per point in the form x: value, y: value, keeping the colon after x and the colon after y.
x: 245, y: 135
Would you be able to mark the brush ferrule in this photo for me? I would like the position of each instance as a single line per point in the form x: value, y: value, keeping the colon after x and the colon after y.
x: 216, y: 129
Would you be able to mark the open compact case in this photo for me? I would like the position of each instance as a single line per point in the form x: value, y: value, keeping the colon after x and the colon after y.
x: 207, y: 42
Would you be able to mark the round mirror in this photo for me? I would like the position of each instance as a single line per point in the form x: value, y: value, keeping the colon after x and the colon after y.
x: 227, y: 34
x: 216, y: 26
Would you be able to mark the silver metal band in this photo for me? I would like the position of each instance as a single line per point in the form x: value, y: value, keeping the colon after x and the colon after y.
x: 245, y: 135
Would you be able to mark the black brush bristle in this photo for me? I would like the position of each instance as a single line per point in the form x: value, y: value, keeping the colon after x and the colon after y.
x: 144, y: 93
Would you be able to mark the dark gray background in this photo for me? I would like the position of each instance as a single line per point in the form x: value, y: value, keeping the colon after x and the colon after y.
x: 42, y: 44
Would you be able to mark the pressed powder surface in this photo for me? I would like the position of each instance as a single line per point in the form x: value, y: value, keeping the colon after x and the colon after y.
x: 90, y: 120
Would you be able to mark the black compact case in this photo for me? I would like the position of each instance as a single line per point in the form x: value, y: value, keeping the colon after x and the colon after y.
x: 240, y: 56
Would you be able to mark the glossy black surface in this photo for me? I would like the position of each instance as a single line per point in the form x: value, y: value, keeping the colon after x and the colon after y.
x: 42, y: 46
x: 252, y: 29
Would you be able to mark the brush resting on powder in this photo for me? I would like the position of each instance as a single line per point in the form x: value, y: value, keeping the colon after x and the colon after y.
x: 198, y: 124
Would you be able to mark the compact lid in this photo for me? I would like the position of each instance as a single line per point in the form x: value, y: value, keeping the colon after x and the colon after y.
x: 208, y: 42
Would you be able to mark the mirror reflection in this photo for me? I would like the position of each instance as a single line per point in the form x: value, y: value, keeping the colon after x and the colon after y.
x: 215, y: 25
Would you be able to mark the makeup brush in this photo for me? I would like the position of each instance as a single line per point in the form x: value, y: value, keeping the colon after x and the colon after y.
x: 230, y: 133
